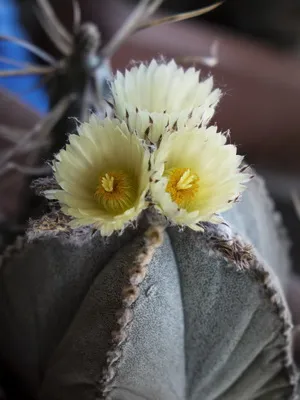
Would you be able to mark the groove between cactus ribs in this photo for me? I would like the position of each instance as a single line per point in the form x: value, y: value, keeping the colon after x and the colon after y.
x: 243, y: 256
x: 136, y: 274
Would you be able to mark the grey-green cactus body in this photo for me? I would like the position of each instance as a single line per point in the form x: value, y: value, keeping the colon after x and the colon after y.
x: 164, y: 315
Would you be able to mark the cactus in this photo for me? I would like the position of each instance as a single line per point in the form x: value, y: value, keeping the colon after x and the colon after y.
x: 154, y: 313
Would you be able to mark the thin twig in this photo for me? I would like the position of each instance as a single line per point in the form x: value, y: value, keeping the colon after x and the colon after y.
x: 76, y: 16
x: 152, y: 8
x: 32, y: 48
x: 27, y: 71
x: 15, y: 63
x: 54, y: 35
x: 49, y: 14
x: 43, y: 81
x: 142, y: 10
x: 43, y: 128
x: 13, y: 135
x: 25, y: 169
x: 178, y: 17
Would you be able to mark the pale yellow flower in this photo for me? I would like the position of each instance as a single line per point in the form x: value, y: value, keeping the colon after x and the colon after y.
x: 149, y: 97
x: 196, y: 175
x: 103, y: 175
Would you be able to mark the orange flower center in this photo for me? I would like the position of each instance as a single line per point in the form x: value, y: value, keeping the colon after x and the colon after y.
x: 182, y: 185
x: 116, y: 192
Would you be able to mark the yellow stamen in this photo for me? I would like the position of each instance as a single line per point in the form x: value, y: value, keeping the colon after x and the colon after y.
x: 116, y: 192
x: 182, y: 185
x: 187, y: 180
x: 107, y: 183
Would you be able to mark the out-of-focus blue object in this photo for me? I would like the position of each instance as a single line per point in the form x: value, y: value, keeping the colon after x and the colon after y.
x: 24, y: 87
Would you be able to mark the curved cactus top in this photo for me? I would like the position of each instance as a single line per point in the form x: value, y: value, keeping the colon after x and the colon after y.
x: 155, y: 313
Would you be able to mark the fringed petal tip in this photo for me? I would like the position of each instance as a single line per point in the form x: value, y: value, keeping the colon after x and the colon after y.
x: 103, y: 176
x: 196, y: 176
x: 149, y: 96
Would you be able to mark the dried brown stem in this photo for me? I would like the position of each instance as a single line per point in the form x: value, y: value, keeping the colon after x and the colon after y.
x: 178, y: 17
x: 43, y: 128
x: 76, y: 15
x: 53, y: 22
x: 33, y: 49
x: 25, y: 169
x: 15, y: 63
x: 27, y: 71
x: 52, y: 33
x: 143, y: 10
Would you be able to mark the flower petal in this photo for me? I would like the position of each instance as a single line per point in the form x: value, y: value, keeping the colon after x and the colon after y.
x: 209, y: 172
x: 151, y: 97
x: 102, y: 149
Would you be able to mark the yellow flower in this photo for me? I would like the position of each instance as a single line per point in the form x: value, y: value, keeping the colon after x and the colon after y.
x: 196, y: 175
x: 151, y: 97
x: 103, y: 175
